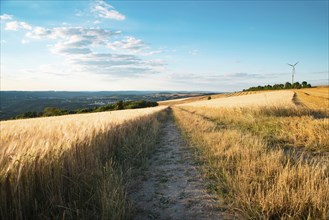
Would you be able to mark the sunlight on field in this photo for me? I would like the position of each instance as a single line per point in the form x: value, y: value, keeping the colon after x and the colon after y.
x: 285, y: 127
x: 37, y: 136
x: 282, y: 98
x: 267, y: 157
x: 72, y: 165
x: 314, y: 98
x: 181, y: 101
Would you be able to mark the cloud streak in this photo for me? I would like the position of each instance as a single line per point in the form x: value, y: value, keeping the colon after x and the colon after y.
x: 107, y: 11
x: 15, y: 26
x: 94, y: 49
x: 6, y: 17
x: 219, y: 78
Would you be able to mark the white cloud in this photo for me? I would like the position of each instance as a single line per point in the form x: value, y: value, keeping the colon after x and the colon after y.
x: 15, y: 26
x: 117, y: 64
x: 95, y: 50
x: 38, y: 33
x: 24, y: 41
x: 25, y: 25
x: 63, y: 49
x: 78, y: 45
x: 73, y: 36
x: 132, y: 45
x: 12, y: 26
x: 105, y: 10
x: 6, y: 17
x: 128, y: 42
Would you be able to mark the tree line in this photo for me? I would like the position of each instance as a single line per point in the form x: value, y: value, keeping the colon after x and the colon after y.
x: 120, y: 105
x: 287, y: 85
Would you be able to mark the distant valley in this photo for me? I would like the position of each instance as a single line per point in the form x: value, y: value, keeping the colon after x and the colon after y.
x: 13, y: 103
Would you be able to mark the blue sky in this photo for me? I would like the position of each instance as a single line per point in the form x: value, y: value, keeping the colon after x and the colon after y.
x: 161, y: 45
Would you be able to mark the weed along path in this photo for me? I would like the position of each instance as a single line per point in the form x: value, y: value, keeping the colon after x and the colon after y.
x: 172, y: 187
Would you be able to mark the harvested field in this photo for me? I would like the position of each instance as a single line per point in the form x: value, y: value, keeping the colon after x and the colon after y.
x: 314, y: 98
x: 282, y: 98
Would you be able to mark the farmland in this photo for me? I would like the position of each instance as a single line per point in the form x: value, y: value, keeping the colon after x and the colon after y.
x: 164, y: 110
x: 267, y: 158
x: 242, y: 155
x: 73, y: 167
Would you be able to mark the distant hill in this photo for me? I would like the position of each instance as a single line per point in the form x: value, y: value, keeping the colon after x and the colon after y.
x: 13, y: 103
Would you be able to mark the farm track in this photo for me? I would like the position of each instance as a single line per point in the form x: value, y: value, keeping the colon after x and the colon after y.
x: 172, y: 187
x: 296, y: 100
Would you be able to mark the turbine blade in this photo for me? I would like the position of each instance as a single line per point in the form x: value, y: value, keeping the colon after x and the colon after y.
x: 290, y: 64
x: 296, y: 63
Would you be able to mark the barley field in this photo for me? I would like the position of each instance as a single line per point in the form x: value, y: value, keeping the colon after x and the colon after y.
x: 283, y: 98
x: 73, y: 167
x: 265, y: 161
x: 265, y: 154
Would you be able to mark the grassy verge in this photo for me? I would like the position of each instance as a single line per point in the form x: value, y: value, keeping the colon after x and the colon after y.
x: 257, y: 181
x: 84, y: 181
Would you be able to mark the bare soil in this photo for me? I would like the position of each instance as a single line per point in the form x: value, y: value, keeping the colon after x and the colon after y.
x: 172, y: 187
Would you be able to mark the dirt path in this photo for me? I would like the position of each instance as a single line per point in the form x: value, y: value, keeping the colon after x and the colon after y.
x: 172, y: 187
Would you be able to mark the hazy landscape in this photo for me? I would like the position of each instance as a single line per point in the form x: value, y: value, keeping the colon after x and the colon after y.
x: 14, y: 103
x: 208, y: 117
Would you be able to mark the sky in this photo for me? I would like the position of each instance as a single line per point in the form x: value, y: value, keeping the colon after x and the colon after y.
x: 221, y: 46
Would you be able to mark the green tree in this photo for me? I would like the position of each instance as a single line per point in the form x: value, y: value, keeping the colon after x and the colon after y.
x: 119, y: 105
x: 287, y: 85
x: 27, y: 115
x: 304, y: 84
x: 296, y: 85
x: 51, y: 111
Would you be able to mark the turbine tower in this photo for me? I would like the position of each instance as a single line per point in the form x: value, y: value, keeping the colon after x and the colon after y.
x: 293, y: 72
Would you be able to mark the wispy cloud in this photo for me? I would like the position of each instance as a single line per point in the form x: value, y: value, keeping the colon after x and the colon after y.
x: 15, y: 26
x: 117, y: 64
x: 243, y: 75
x: 63, y: 49
x: 132, y: 45
x: 94, y: 49
x: 220, y: 78
x: 105, y: 10
x: 6, y: 17
x: 129, y: 43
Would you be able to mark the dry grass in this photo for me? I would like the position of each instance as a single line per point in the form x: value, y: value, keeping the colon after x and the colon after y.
x: 181, y: 101
x: 72, y: 167
x: 282, y: 127
x: 257, y: 180
x: 315, y: 98
x: 282, y: 98
x: 205, y: 98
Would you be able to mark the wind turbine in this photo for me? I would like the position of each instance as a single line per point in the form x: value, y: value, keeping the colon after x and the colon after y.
x: 293, y: 72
